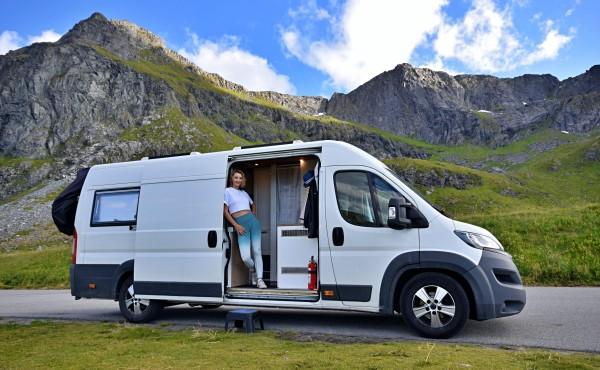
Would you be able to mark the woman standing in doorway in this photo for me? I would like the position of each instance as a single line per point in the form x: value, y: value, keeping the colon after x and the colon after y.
x: 240, y: 211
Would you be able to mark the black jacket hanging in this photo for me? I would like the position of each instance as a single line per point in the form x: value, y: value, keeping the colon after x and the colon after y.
x: 65, y: 205
x: 311, y: 212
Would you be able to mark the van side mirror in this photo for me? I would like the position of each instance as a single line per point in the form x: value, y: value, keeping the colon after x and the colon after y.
x: 404, y: 215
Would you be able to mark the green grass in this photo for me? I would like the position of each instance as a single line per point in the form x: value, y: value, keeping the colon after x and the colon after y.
x: 16, y: 161
x: 81, y: 345
x: 557, y: 246
x: 178, y: 132
x: 181, y: 79
x: 173, y: 73
x: 33, y: 269
x: 546, y: 212
x: 476, y: 153
x: 37, y: 258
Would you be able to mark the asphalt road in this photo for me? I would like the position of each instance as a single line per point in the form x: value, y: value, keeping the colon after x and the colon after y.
x: 557, y: 318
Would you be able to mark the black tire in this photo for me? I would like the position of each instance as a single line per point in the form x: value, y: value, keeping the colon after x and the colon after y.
x: 205, y: 306
x: 137, y: 310
x: 432, y: 318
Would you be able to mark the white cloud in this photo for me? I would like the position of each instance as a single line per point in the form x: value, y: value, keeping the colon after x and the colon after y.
x: 11, y: 40
x: 45, y: 36
x: 369, y: 38
x: 310, y: 9
x: 570, y: 11
x: 549, y: 48
x: 227, y: 59
x: 484, y: 40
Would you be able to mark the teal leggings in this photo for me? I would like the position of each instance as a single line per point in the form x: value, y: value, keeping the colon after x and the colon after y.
x: 251, y: 238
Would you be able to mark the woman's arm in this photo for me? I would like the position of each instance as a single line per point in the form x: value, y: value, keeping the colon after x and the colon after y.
x: 253, y: 206
x: 239, y: 228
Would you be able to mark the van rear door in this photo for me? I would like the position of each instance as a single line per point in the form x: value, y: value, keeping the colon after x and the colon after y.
x: 178, y: 249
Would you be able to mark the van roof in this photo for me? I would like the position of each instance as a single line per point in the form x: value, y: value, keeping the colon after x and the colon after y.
x: 333, y: 153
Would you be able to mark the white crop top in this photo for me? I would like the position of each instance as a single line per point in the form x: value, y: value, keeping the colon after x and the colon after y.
x: 237, y: 200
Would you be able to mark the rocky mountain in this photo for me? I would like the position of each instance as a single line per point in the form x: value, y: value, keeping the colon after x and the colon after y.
x: 439, y: 108
x: 110, y: 90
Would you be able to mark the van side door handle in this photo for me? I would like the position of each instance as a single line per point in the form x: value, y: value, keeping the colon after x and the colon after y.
x: 212, y: 239
x: 338, y: 236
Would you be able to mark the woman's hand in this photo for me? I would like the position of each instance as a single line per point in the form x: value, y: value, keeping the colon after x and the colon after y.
x: 240, y: 229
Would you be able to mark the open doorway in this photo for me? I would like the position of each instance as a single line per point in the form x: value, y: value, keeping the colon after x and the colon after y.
x: 277, y: 188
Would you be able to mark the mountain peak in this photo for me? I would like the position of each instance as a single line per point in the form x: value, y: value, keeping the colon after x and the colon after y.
x: 97, y: 16
x: 120, y: 37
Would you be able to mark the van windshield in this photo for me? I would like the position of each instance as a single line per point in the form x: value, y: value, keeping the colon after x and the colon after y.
x: 436, y: 207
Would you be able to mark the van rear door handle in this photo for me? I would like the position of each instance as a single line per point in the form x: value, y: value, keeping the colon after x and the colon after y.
x: 212, y: 239
x: 338, y: 236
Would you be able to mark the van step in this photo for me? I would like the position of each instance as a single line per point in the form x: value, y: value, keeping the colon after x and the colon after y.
x: 273, y: 294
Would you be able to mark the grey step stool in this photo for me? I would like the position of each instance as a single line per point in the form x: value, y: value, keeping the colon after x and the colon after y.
x: 246, y: 316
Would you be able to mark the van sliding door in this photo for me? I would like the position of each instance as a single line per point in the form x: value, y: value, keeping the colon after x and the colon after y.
x: 178, y: 250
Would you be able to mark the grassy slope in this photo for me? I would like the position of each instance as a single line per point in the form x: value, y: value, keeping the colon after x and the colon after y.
x: 177, y: 132
x: 37, y: 258
x: 544, y: 210
x: 124, y: 346
x: 549, y: 220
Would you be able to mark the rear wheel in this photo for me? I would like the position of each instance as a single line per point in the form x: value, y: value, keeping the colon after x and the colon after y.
x: 135, y: 309
x: 434, y: 305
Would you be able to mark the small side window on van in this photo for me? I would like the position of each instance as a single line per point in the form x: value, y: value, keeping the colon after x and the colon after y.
x: 354, y: 198
x: 115, y: 207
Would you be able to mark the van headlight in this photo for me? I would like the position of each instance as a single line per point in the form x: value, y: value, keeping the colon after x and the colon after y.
x: 478, y: 240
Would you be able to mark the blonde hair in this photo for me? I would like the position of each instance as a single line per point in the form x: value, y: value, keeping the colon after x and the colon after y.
x: 233, y: 172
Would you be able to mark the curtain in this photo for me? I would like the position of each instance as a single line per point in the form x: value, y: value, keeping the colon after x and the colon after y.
x: 289, y: 187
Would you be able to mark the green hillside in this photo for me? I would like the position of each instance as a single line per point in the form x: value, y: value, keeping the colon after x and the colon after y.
x: 545, y: 211
x: 539, y: 195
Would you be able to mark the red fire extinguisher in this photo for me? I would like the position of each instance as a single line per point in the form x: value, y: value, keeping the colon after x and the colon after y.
x: 312, y: 273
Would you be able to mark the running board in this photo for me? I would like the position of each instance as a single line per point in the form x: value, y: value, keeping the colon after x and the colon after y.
x: 273, y: 294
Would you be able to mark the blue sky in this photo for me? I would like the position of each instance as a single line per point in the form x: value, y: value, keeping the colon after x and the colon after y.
x: 311, y: 47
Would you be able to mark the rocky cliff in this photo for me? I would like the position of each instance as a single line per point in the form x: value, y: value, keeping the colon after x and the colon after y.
x: 110, y: 91
x: 439, y: 108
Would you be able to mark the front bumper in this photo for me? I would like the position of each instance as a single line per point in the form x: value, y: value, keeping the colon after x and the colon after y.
x: 497, y: 286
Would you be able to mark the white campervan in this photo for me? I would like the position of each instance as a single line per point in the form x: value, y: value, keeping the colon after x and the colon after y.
x: 151, y: 233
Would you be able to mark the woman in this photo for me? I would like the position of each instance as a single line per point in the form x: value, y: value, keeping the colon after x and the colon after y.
x: 240, y: 211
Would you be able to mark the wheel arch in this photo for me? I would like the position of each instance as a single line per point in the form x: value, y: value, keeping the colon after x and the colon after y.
x: 405, y: 266
x: 123, y: 272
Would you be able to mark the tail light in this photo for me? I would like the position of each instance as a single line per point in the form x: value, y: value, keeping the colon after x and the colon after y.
x: 74, y: 250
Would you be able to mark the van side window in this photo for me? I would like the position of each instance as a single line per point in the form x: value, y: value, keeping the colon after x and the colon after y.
x: 354, y: 198
x: 363, y: 198
x: 115, y: 207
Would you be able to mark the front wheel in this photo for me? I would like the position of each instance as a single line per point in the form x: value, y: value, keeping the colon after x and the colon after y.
x: 135, y: 309
x: 434, y: 305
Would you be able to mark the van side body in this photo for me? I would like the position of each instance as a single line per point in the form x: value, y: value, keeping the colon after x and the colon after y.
x: 175, y: 246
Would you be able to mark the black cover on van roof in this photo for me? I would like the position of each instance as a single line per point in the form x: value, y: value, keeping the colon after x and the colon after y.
x: 65, y: 205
